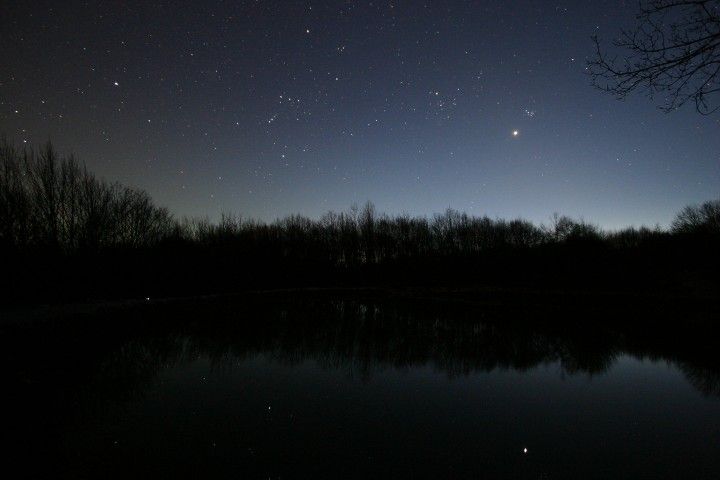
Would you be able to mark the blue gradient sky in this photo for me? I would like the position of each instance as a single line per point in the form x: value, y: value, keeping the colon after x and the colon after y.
x: 271, y: 108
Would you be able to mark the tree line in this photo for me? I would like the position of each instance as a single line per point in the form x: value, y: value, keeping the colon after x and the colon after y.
x: 53, y: 201
x: 52, y: 207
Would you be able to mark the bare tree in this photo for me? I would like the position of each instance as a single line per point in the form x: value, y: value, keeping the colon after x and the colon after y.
x: 673, y: 53
x: 53, y: 201
x: 703, y: 218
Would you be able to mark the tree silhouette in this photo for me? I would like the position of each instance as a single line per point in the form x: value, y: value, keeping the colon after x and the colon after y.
x: 52, y: 201
x: 699, y: 219
x: 63, y: 230
x: 673, y: 52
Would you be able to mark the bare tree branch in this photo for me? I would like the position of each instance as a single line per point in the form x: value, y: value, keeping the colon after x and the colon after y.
x: 672, y: 53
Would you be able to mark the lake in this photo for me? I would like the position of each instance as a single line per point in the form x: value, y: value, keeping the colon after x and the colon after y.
x: 337, y: 386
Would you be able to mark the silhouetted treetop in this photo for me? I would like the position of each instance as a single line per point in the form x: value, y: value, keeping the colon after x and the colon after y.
x: 51, y: 201
x: 672, y: 52
x: 699, y: 219
x: 57, y: 220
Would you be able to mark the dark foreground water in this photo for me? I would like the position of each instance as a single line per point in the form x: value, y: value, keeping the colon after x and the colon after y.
x: 340, y: 388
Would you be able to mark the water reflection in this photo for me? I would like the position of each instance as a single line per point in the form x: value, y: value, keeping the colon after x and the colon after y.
x: 361, y: 337
x: 78, y: 386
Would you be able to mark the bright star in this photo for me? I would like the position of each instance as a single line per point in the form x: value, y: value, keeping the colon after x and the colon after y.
x: 516, y: 133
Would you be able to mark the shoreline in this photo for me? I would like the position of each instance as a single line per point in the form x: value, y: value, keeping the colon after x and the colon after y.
x: 478, y: 295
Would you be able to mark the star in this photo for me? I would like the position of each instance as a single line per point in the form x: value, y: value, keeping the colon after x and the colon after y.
x: 515, y: 133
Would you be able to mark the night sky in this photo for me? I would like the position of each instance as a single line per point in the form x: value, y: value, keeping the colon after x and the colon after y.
x: 267, y: 108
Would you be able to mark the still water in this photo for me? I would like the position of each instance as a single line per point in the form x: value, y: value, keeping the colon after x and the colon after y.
x: 358, y: 388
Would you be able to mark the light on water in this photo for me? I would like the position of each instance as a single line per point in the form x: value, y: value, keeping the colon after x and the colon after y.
x: 372, y: 390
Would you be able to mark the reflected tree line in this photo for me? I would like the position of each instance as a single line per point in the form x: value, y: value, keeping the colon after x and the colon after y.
x: 364, y: 335
x: 125, y: 347
x: 80, y: 368
x: 61, y: 225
